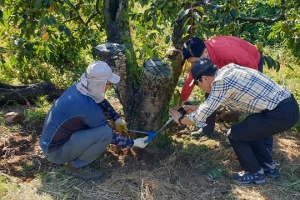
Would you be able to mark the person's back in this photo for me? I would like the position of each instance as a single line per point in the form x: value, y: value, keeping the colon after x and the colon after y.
x: 228, y: 49
x: 221, y: 50
x: 71, y: 112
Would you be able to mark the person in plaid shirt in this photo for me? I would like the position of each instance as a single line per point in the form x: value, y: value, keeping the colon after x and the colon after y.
x: 272, y: 109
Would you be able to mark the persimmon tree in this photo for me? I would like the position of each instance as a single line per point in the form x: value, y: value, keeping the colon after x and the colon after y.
x: 144, y: 39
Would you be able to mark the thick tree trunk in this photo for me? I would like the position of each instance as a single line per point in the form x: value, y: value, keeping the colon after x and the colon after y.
x: 144, y: 91
x: 27, y: 94
x: 144, y: 105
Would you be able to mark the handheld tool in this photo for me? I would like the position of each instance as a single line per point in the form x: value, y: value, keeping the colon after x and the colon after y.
x: 152, y: 134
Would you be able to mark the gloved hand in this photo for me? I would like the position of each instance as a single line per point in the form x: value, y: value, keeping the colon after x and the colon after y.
x: 121, y: 125
x: 140, y: 142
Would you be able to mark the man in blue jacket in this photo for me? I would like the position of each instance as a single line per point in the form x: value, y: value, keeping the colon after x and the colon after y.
x: 76, y: 131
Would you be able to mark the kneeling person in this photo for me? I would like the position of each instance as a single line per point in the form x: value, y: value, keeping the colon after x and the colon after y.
x: 76, y: 132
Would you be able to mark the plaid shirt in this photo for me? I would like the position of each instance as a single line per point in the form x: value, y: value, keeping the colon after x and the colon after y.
x: 240, y: 88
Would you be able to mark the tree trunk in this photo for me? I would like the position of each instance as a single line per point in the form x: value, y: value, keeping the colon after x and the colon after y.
x: 144, y: 91
x: 27, y: 94
x: 143, y: 106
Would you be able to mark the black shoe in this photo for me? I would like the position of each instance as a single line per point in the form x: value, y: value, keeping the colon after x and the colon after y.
x: 85, y: 172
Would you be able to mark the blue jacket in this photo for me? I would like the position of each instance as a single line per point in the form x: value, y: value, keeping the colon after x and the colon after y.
x: 70, y: 113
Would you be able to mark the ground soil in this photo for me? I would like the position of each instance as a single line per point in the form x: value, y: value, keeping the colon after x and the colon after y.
x: 22, y: 157
x: 179, y: 174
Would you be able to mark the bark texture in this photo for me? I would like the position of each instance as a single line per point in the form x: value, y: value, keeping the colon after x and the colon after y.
x: 143, y: 105
x: 144, y: 91
x: 27, y: 94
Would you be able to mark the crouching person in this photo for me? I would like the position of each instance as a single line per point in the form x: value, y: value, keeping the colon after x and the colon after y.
x: 271, y: 107
x: 76, y: 131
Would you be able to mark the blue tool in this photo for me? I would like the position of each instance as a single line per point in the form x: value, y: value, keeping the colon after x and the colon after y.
x: 152, y: 134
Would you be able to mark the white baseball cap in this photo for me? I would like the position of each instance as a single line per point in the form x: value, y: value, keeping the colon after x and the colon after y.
x: 100, y: 70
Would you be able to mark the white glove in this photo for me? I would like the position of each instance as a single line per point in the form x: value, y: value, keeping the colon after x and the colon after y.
x: 121, y: 125
x: 140, y: 142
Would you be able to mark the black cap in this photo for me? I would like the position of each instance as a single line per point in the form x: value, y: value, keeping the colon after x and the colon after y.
x: 193, y: 47
x: 199, y: 68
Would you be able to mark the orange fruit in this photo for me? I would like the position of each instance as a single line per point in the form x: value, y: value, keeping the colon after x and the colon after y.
x: 51, y: 9
x: 45, y: 36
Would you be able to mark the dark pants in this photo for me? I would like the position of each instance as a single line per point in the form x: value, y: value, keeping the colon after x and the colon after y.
x: 210, y: 121
x: 247, y: 136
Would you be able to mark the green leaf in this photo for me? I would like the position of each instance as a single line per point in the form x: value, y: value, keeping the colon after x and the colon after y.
x: 37, y: 4
x: 184, y: 13
x: 276, y: 65
x: 61, y: 28
x: 51, y: 20
x: 67, y: 31
x: 1, y: 14
x: 186, y: 30
x: 233, y: 13
x: 41, y: 22
x: 22, y: 24
x: 70, y: 4
x: 25, y: 60
x: 269, y: 61
x: 243, y: 15
x: 200, y: 9
x: 51, y: 47
x: 3, y: 22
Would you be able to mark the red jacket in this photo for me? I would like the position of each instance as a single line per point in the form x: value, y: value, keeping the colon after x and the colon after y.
x: 224, y: 50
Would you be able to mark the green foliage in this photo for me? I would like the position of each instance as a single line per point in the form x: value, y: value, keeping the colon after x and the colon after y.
x: 163, y: 140
x: 192, y: 149
x: 46, y: 31
x: 6, y: 185
x: 38, y: 114
x: 33, y: 116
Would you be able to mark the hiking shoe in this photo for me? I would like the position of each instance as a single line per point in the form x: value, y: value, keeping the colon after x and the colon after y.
x: 200, y: 133
x: 273, y: 173
x: 247, y: 178
x: 85, y: 172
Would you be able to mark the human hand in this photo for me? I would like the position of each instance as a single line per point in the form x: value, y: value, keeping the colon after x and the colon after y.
x: 121, y: 125
x: 190, y: 108
x: 140, y: 142
x: 175, y: 115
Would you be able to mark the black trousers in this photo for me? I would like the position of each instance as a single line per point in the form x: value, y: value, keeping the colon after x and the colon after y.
x: 246, y: 137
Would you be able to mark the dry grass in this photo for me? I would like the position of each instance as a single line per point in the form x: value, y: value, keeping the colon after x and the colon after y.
x: 172, y: 175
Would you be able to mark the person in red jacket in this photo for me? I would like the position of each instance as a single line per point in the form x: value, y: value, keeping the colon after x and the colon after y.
x: 221, y: 50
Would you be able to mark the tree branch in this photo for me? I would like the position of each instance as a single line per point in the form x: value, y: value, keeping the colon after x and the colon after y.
x: 267, y: 21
